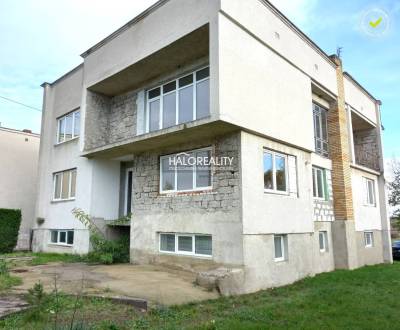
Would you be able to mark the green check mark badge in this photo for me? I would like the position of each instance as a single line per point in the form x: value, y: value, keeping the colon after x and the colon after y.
x: 376, y: 23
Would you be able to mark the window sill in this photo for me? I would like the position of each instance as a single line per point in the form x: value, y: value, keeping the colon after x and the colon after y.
x: 180, y: 254
x: 55, y: 201
x: 276, y: 192
x: 203, y: 191
x: 67, y: 141
x: 279, y: 261
x: 61, y: 244
x: 369, y: 205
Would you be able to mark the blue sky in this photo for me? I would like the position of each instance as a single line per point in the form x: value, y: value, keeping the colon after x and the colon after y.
x: 42, y: 39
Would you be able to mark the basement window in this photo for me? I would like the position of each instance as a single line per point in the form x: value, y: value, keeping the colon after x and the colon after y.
x: 280, y: 247
x: 179, y: 101
x: 68, y: 127
x: 369, y: 239
x: 323, y: 241
x: 62, y: 237
x: 186, y: 244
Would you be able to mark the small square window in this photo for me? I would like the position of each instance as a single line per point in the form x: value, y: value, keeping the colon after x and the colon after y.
x: 54, y: 236
x: 154, y: 93
x: 167, y: 242
x: 185, y: 244
x: 323, y: 241
x: 187, y: 80
x: 369, y: 239
x: 202, y: 74
x: 280, y: 247
x: 203, y: 245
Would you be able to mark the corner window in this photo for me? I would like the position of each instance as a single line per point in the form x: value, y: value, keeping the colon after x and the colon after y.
x: 369, y: 239
x: 64, y: 185
x: 320, y: 130
x: 280, y: 247
x: 323, y: 241
x: 275, y: 172
x: 62, y: 237
x: 68, y: 127
x: 186, y: 244
x: 319, y: 183
x: 186, y: 171
x: 179, y: 101
x: 369, y: 186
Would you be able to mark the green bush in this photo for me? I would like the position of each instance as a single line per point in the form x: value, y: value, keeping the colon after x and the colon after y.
x: 10, y: 221
x: 109, y: 251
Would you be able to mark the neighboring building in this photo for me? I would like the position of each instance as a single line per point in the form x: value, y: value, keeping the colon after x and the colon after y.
x: 18, y: 177
x: 305, y: 191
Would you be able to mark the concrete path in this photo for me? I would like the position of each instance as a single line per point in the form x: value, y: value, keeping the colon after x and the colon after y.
x: 11, y: 304
x: 156, y: 284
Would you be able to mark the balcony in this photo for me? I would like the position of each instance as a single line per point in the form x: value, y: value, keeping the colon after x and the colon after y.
x: 364, y: 144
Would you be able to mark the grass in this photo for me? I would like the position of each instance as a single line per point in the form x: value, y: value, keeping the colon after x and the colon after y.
x: 44, y: 258
x: 366, y: 298
x: 7, y: 282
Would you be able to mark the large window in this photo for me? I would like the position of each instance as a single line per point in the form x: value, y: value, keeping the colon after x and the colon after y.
x: 68, y: 126
x: 64, y: 185
x: 179, y: 101
x: 186, y: 171
x: 275, y: 172
x: 190, y: 244
x: 320, y: 130
x: 319, y: 183
x: 62, y: 237
x: 280, y: 247
x: 369, y: 192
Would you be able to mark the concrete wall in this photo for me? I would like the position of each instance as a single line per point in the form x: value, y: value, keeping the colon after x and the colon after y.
x: 359, y: 100
x: 215, y: 212
x: 18, y: 177
x: 263, y: 212
x: 254, y: 88
x: 366, y: 217
x: 370, y: 255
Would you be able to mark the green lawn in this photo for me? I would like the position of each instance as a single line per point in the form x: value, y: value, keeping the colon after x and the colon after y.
x: 367, y: 298
x: 44, y: 258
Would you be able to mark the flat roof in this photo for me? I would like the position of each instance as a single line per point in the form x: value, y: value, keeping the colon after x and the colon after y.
x: 17, y: 131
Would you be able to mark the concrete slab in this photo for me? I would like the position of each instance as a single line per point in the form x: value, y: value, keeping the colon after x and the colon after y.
x: 156, y: 284
x: 11, y: 304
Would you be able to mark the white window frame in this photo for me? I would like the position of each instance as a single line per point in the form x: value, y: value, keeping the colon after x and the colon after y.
x: 176, y: 90
x: 274, y: 190
x: 130, y: 169
x: 317, y: 109
x: 59, y: 231
x: 62, y: 173
x: 186, y: 253
x: 194, y: 172
x: 316, y: 169
x: 369, y: 234
x: 64, y: 117
x: 282, y: 242
x: 324, y: 236
x: 369, y: 200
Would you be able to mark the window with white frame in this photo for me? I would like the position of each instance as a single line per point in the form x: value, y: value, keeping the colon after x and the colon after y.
x: 319, y: 183
x: 64, y: 185
x: 320, y: 130
x: 68, y: 126
x: 62, y: 237
x: 369, y: 185
x: 179, y: 101
x: 188, y: 244
x: 280, y: 247
x: 369, y: 239
x: 323, y: 241
x: 275, y: 172
x: 186, y: 171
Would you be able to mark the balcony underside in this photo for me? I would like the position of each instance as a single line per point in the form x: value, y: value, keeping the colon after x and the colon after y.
x: 198, y: 130
x: 187, y: 49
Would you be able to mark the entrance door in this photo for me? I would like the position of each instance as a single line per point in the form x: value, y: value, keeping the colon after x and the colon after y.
x: 128, y: 191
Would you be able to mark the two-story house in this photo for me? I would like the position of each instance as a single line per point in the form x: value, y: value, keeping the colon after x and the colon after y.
x: 290, y: 180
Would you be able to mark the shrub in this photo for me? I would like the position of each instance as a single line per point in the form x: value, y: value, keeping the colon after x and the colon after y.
x: 3, y: 267
x: 10, y: 221
x: 104, y: 251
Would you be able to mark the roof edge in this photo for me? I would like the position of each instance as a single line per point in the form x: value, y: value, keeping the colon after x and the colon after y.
x: 124, y: 27
x: 348, y: 75
x: 300, y: 33
x: 18, y: 131
x: 63, y: 76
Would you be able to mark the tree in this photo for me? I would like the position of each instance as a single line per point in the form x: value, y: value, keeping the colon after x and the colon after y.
x: 394, y: 189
